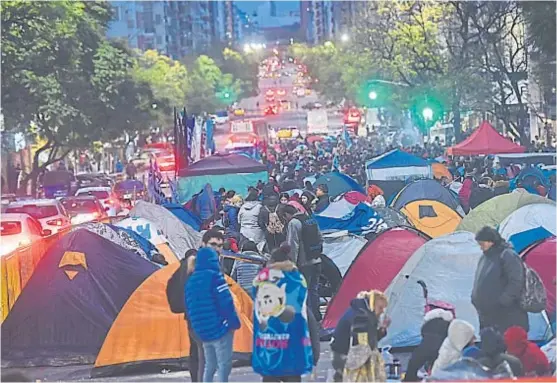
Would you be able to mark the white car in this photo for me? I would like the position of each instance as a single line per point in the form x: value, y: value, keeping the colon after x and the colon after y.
x: 49, y: 212
x: 19, y: 230
x: 106, y: 197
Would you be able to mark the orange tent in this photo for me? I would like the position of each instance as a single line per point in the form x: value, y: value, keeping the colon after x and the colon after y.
x: 147, y: 331
x: 439, y: 171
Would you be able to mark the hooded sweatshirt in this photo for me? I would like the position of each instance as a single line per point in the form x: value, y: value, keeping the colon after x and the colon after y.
x: 434, y: 331
x: 209, y: 303
x: 286, y: 336
x: 534, y: 361
x: 248, y: 218
x: 459, y: 335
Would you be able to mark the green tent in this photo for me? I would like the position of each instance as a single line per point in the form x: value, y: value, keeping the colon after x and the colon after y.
x: 493, y: 211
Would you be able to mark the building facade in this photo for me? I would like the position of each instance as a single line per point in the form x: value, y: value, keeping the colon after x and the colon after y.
x: 317, y: 20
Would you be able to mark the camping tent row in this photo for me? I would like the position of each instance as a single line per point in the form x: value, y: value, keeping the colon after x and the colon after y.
x: 94, y: 301
x: 400, y: 257
x: 151, y: 232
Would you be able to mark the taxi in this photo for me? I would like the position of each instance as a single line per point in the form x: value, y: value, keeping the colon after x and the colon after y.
x: 285, y: 133
x: 239, y: 112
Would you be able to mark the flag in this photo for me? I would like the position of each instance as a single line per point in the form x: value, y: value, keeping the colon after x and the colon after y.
x: 336, y: 164
x: 346, y: 137
x: 210, y: 136
x: 362, y: 220
x: 154, y: 183
x: 173, y: 190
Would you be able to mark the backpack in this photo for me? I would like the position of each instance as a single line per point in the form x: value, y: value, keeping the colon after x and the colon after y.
x: 175, y: 293
x: 275, y: 225
x: 533, y: 298
x: 312, y: 241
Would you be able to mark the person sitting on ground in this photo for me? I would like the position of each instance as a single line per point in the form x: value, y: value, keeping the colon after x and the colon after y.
x: 300, y: 352
x: 460, y: 334
x: 533, y: 359
x: 245, y: 271
x: 492, y: 352
x: 434, y: 331
x: 362, y: 317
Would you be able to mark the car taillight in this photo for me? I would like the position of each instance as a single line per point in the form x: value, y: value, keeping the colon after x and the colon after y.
x: 56, y: 222
x: 24, y: 242
x: 96, y: 214
x: 109, y: 201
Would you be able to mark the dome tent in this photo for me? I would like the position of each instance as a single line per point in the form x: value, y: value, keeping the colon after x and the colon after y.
x: 493, y: 211
x: 338, y: 183
x: 434, y: 218
x: 426, y: 190
x: 541, y: 257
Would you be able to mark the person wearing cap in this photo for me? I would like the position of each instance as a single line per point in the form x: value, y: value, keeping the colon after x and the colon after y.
x: 498, y: 283
x: 322, y: 194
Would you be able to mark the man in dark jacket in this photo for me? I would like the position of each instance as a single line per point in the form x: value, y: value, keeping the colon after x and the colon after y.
x: 434, y: 332
x: 306, y: 244
x: 322, y: 194
x: 498, y: 283
x: 273, y: 236
x: 210, y: 309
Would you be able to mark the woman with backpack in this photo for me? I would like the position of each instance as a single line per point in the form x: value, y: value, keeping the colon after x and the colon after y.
x: 270, y: 223
x: 248, y: 218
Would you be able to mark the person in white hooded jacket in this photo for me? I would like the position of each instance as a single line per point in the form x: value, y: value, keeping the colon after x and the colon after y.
x: 460, y: 335
x: 248, y: 218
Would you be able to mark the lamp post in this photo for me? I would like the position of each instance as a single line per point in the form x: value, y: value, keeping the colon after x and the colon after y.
x: 372, y: 95
x: 344, y: 37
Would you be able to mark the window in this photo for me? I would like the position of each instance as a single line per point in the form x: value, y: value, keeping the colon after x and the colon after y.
x: 100, y: 194
x: 35, y: 211
x: 10, y: 228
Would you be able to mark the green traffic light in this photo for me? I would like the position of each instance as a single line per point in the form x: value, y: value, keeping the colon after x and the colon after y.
x: 427, y: 113
x: 372, y: 95
x: 227, y: 95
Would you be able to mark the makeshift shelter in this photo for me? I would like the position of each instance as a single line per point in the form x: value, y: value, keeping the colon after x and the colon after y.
x: 230, y: 171
x: 181, y: 236
x: 485, y: 140
x: 121, y: 239
x: 392, y: 217
x: 338, y: 183
x: 359, y: 218
x: 184, y: 215
x: 148, y: 230
x: 434, y: 218
x: 541, y: 257
x: 529, y: 178
x: 145, y: 245
x: 493, y: 211
x: 392, y: 170
x: 146, y: 331
x: 374, y: 268
x: 528, y: 225
x: 447, y: 265
x: 68, y: 306
x: 426, y: 190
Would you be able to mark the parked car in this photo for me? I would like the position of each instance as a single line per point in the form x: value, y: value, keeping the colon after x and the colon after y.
x: 19, y: 230
x: 106, y: 197
x: 49, y: 212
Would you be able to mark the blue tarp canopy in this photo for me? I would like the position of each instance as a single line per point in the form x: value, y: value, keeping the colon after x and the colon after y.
x: 184, y: 215
x: 397, y: 165
x: 395, y: 158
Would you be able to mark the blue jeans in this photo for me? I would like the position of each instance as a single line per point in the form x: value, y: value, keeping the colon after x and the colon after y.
x: 218, y: 358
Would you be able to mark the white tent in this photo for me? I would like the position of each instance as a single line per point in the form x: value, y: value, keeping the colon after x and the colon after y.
x: 447, y: 265
x: 529, y: 224
x: 145, y: 228
x: 181, y: 236
x: 342, y: 248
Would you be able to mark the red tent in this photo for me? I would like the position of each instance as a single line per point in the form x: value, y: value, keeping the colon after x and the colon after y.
x: 485, y: 140
x: 377, y: 264
x: 541, y: 258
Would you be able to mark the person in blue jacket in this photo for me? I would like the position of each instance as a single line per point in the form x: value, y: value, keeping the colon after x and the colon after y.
x: 231, y: 210
x: 212, y: 315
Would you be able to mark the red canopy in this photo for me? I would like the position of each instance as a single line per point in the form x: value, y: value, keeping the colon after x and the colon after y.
x: 485, y: 140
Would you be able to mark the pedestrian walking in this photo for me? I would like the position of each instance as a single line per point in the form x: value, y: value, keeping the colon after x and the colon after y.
x: 286, y: 335
x: 498, y: 283
x: 306, y: 244
x: 210, y: 309
x: 357, y: 333
x: 245, y: 269
x: 270, y: 223
x: 231, y: 211
x: 248, y: 218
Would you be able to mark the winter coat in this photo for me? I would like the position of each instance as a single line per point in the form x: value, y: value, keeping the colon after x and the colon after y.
x: 534, y: 361
x: 209, y: 303
x: 360, y: 318
x: 231, y: 218
x: 248, y: 218
x: 459, y: 334
x: 498, y: 283
x: 244, y: 272
x: 295, y: 239
x: 434, y: 331
x: 479, y: 195
x: 501, y: 187
x: 492, y: 352
x: 286, y: 335
x: 465, y: 192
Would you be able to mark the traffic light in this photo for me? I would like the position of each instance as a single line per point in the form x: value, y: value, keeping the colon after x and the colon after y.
x: 426, y: 110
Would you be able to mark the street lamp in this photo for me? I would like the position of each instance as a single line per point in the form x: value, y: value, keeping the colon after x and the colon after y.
x: 344, y: 37
x: 428, y: 114
x: 372, y: 95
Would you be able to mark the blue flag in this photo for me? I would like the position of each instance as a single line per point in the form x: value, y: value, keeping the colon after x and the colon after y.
x: 210, y: 136
x: 346, y: 137
x: 336, y: 164
x: 361, y: 221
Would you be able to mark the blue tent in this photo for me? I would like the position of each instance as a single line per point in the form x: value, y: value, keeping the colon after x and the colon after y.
x: 428, y: 190
x: 528, y: 177
x: 339, y: 183
x: 396, y: 165
x: 552, y: 192
x: 184, y: 215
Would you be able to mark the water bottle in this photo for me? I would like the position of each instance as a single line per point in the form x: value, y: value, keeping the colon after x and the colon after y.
x: 389, y: 362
